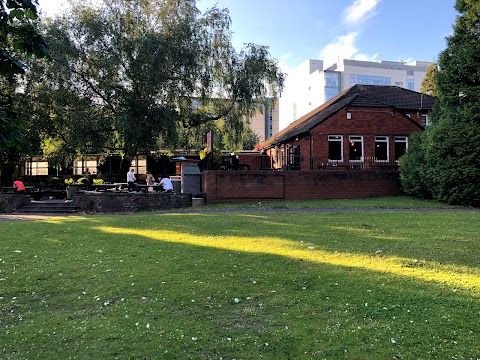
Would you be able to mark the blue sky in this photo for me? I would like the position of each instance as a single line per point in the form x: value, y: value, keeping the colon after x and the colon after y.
x: 354, y: 29
x: 299, y: 30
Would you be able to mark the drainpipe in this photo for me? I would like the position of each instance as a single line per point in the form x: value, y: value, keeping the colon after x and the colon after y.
x: 311, y: 158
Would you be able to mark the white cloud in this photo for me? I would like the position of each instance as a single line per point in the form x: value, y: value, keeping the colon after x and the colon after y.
x: 359, y: 11
x: 343, y: 47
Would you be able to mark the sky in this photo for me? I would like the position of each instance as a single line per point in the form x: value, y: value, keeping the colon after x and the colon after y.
x: 372, y: 30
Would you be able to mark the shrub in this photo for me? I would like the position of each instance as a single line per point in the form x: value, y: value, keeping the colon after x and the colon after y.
x: 413, y: 168
x: 83, y: 181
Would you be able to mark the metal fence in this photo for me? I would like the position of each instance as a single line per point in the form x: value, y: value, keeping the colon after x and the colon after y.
x: 364, y: 164
x: 264, y: 162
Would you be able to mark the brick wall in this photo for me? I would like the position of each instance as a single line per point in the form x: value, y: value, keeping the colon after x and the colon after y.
x: 366, y: 122
x: 232, y: 186
x: 129, y: 202
x: 10, y: 202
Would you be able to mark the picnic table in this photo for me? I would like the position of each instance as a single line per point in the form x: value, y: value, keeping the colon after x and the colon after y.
x: 8, y: 189
x: 145, y: 187
x: 124, y: 187
x: 106, y: 187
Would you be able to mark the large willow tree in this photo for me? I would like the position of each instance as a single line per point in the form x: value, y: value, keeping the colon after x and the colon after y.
x: 128, y: 75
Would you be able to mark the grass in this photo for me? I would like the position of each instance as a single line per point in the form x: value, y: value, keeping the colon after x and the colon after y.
x: 240, y: 285
x: 392, y: 202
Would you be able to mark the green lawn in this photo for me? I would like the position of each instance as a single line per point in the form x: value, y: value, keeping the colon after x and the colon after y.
x: 392, y: 202
x: 242, y: 285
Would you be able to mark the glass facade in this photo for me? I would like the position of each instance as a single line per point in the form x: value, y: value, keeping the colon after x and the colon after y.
x: 370, y: 80
x: 410, y: 82
x: 332, y: 85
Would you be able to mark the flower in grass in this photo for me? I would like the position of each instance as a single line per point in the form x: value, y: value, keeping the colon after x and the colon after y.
x: 393, y: 341
x: 237, y: 300
x: 194, y: 338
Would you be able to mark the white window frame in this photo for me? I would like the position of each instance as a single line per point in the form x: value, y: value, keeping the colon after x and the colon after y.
x: 336, y: 138
x: 356, y: 138
x: 400, y: 139
x: 425, y: 120
x: 382, y: 139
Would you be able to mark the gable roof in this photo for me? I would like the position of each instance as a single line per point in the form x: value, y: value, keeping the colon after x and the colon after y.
x: 357, y: 96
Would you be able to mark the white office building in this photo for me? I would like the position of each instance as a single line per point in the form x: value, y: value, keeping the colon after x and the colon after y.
x: 315, y: 85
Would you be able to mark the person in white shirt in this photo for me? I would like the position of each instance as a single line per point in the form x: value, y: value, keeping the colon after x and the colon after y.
x: 131, y: 181
x: 166, y: 183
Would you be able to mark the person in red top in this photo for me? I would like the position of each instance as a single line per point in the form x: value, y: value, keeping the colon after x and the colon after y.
x: 18, y: 185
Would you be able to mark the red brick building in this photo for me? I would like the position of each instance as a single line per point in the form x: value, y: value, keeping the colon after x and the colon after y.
x: 365, y: 126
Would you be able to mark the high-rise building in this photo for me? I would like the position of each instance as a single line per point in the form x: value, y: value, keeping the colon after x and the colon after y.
x: 265, y: 123
x: 315, y: 85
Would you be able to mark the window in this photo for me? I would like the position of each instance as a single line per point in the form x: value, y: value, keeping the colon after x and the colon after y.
x: 410, y: 82
x: 140, y: 166
x: 401, y: 145
x: 332, y: 85
x: 293, y: 157
x: 335, y: 147
x: 36, y: 167
x: 369, y: 80
x: 355, y: 148
x: 80, y: 165
x: 425, y: 120
x: 399, y: 83
x: 331, y: 80
x: 381, y: 148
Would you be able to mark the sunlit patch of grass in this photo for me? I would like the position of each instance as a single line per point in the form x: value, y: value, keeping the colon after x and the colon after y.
x: 454, y: 276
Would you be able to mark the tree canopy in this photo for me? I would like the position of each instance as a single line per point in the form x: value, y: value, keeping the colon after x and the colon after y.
x: 19, y: 41
x: 428, y: 84
x: 130, y: 76
x: 446, y: 158
x: 18, y: 35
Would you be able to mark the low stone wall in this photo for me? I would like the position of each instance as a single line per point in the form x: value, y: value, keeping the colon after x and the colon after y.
x: 11, y: 202
x: 108, y: 202
x: 242, y: 186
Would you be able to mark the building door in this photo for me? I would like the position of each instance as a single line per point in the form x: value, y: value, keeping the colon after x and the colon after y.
x: 293, y: 157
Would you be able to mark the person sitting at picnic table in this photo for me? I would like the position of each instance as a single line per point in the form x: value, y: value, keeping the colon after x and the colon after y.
x: 131, y: 181
x: 166, y: 183
x: 87, y: 175
x: 19, y: 186
x: 150, y: 180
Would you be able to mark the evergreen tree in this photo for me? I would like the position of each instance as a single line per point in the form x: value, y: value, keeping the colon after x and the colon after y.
x: 447, y: 157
